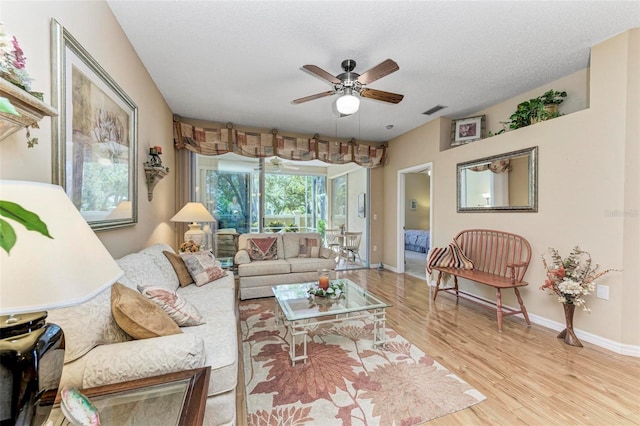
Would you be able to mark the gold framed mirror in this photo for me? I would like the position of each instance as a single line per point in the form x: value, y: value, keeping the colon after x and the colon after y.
x: 501, y: 183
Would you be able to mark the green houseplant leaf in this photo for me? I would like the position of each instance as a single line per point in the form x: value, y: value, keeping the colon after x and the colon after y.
x: 7, y: 236
x: 17, y: 213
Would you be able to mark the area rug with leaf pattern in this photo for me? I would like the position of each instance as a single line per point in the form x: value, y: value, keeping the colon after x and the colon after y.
x: 346, y: 381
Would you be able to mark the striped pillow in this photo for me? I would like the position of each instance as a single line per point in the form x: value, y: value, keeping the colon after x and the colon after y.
x: 449, y: 257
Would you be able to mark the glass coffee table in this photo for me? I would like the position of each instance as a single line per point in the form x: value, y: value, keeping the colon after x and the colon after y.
x: 301, y: 311
x: 170, y: 399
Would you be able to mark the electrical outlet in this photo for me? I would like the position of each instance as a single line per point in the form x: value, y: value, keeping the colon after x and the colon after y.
x: 602, y: 292
x: 375, y: 216
x: 375, y: 248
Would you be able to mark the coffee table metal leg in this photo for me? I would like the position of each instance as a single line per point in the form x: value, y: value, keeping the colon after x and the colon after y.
x: 379, y: 327
x: 279, y: 314
x: 295, y: 329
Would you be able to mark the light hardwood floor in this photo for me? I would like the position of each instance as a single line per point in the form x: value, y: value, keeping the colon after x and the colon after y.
x: 528, y: 376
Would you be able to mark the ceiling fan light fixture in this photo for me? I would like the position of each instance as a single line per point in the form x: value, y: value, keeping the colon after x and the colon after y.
x: 347, y: 104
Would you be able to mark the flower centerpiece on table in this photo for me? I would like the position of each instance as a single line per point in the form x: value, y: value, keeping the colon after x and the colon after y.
x: 189, y: 247
x: 335, y: 290
x: 572, y: 278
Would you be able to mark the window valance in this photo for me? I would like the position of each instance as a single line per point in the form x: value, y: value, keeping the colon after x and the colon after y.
x: 219, y: 139
x: 498, y: 166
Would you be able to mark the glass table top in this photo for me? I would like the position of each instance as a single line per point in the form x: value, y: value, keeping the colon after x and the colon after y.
x: 160, y: 404
x: 297, y: 304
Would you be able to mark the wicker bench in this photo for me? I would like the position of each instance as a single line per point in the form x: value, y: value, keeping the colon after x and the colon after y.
x: 500, y: 261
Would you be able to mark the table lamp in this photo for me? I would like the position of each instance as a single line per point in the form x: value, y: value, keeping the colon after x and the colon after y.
x: 194, y: 213
x: 49, y: 258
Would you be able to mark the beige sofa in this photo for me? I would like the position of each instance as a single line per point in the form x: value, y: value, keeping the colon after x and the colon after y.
x: 98, y: 352
x: 257, y: 276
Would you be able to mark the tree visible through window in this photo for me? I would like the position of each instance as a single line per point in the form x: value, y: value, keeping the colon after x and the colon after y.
x: 285, y: 195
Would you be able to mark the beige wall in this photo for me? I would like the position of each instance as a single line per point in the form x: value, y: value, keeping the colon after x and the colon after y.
x: 93, y: 25
x: 519, y: 182
x: 416, y: 187
x: 588, y: 187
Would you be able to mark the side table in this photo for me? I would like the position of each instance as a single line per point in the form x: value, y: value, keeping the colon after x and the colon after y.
x: 170, y: 399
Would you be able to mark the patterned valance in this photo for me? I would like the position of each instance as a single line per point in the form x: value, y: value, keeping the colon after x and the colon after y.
x: 219, y: 139
x: 498, y: 166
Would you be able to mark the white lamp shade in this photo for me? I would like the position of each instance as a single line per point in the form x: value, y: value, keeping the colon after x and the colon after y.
x: 193, y: 212
x: 347, y: 104
x: 42, y: 273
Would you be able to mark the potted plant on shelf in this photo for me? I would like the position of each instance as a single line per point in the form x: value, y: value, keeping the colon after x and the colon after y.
x: 526, y: 113
x: 537, y: 109
x: 551, y: 99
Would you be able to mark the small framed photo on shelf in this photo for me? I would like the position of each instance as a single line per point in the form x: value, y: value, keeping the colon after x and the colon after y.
x: 467, y: 130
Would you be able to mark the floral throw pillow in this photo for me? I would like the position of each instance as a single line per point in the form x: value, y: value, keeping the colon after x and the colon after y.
x: 262, y: 248
x: 181, y: 311
x: 309, y: 247
x: 203, y: 267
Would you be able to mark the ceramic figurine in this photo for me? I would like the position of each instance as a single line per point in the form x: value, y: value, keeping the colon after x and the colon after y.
x: 78, y: 409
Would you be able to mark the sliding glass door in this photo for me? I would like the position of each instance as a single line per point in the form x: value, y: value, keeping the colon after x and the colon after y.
x: 250, y: 195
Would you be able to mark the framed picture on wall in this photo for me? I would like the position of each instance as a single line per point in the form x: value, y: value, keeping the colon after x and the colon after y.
x: 413, y: 205
x: 95, y: 136
x: 361, y: 205
x: 467, y: 130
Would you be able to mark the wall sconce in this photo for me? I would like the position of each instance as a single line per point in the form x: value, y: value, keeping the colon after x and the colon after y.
x: 154, y: 170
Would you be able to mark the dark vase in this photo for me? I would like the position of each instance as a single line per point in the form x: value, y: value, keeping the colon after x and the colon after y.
x: 567, y: 334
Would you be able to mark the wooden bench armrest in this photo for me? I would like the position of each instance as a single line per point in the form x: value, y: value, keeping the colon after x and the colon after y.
x: 512, y: 267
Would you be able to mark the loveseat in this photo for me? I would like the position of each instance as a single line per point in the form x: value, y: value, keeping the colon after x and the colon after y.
x: 290, y: 257
x: 99, y: 352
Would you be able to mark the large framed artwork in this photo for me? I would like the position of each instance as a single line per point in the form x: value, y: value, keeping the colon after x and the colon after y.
x: 94, y: 137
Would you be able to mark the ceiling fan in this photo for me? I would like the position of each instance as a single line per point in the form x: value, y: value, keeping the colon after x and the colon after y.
x: 276, y: 165
x: 350, y: 82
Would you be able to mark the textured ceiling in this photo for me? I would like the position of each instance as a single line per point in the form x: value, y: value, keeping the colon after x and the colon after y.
x: 240, y: 62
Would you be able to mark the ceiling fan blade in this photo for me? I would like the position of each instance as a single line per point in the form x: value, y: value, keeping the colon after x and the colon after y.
x: 322, y: 74
x: 312, y: 97
x: 380, y: 95
x: 379, y: 71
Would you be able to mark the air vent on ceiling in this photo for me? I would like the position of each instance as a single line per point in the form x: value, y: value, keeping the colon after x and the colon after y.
x: 434, y: 109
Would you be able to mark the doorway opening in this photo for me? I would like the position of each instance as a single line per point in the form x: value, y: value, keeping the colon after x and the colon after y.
x: 415, y: 218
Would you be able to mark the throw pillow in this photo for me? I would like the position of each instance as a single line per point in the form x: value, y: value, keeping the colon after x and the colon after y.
x: 181, y: 311
x: 184, y: 277
x: 78, y: 337
x: 203, y: 267
x: 326, y: 253
x: 262, y: 248
x: 139, y: 317
x: 309, y: 247
x: 450, y: 257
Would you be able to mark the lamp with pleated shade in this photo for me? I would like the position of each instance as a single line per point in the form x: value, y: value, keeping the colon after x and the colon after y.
x: 194, y: 213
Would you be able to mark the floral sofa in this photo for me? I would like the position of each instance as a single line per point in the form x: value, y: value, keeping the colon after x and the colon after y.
x: 99, y: 351
x: 264, y: 260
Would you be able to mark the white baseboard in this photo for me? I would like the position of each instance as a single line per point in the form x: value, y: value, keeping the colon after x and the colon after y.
x: 390, y: 268
x: 611, y: 345
x: 617, y: 347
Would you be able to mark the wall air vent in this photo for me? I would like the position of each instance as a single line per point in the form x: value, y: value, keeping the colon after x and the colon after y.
x: 434, y: 109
